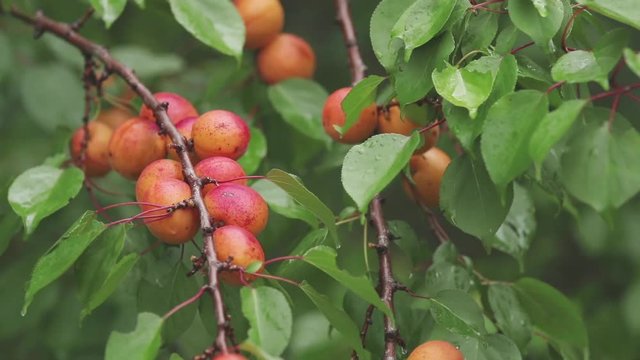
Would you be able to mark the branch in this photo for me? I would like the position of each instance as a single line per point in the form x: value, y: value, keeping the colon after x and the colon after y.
x: 66, y: 32
x: 356, y: 64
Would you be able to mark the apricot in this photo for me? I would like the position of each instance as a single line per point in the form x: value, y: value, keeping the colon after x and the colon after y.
x: 178, y: 107
x: 96, y: 159
x: 287, y: 56
x: 184, y: 127
x: 157, y: 171
x: 181, y: 225
x: 436, y: 350
x: 263, y: 20
x: 427, y: 170
x: 239, y: 245
x: 229, y: 357
x: 114, y: 117
x: 134, y: 145
x: 392, y: 122
x: 221, y: 169
x: 333, y: 115
x: 220, y: 133
x: 235, y: 204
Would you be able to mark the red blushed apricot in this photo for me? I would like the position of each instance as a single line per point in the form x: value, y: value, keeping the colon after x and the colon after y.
x: 241, y: 246
x: 158, y: 170
x: 96, y: 161
x: 392, y: 122
x: 134, y: 145
x: 220, y: 133
x: 182, y: 224
x: 230, y: 357
x: 178, y: 109
x: 235, y: 204
x: 114, y: 117
x: 263, y: 20
x: 427, y: 170
x: 333, y: 115
x: 287, y: 56
x: 221, y: 169
x: 184, y: 127
x: 436, y: 350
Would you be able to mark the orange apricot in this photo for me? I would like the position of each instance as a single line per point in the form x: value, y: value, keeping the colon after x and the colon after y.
x: 96, y: 157
x: 239, y: 245
x: 220, y: 168
x: 114, y: 117
x: 263, y: 20
x: 333, y: 115
x: 134, y: 145
x: 436, y: 350
x: 220, y: 133
x: 427, y: 170
x: 178, y: 107
x: 235, y: 204
x: 229, y: 357
x: 392, y: 122
x: 156, y: 171
x: 287, y: 56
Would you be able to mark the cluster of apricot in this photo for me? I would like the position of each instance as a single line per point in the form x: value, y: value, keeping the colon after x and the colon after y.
x: 280, y: 55
x: 137, y: 150
x: 428, y: 163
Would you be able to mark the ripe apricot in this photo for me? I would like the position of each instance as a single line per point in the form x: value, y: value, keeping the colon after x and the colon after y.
x: 333, y: 115
x: 181, y: 225
x: 220, y: 133
x: 263, y: 20
x: 427, y: 170
x: 229, y: 357
x: 436, y: 350
x: 184, y: 127
x: 235, y: 204
x: 134, y: 145
x: 392, y: 122
x: 178, y: 107
x: 221, y: 169
x: 241, y: 246
x: 114, y: 117
x: 156, y: 171
x: 286, y: 56
x: 96, y: 159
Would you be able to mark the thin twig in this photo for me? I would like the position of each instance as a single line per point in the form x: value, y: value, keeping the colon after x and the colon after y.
x: 356, y: 65
x: 185, y: 303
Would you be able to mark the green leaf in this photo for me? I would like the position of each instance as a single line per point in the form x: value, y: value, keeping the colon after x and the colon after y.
x: 110, y: 284
x: 551, y: 312
x: 64, y: 252
x: 467, y: 87
x: 294, y: 187
x: 506, y: 134
x: 624, y: 11
x: 527, y: 19
x: 608, y: 49
x: 338, y: 319
x: 312, y: 239
x: 633, y: 61
x: 324, y: 258
x: 457, y: 312
x: 406, y: 239
x: 146, y: 63
x: 515, y: 234
x: 446, y: 253
x: 369, y: 167
x: 45, y: 103
x: 606, y: 157
x: 94, y: 266
x: 384, y: 17
x: 412, y: 80
x: 362, y: 95
x: 553, y: 127
x: 446, y: 276
x: 109, y: 10
x: 41, y: 191
x: 256, y: 151
x: 481, y: 30
x: 300, y: 102
x: 489, y: 347
x: 579, y: 66
x: 270, y: 317
x: 142, y: 343
x: 470, y: 199
x: 257, y: 351
x: 216, y: 23
x: 282, y: 203
x: 530, y: 69
x: 420, y: 22
x: 509, y: 314
x: 175, y: 356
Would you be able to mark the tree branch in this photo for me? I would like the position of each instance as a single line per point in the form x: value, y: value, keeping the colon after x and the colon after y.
x: 67, y: 32
x: 356, y: 65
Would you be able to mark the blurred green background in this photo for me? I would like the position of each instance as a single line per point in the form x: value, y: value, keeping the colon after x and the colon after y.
x: 594, y: 261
